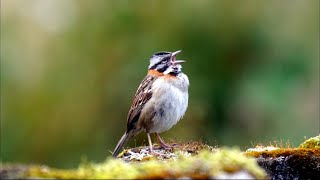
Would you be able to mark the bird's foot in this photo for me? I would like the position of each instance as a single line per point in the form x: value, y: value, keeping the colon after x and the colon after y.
x: 164, y: 145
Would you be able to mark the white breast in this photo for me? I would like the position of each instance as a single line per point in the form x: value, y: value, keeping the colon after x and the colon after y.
x: 169, y: 101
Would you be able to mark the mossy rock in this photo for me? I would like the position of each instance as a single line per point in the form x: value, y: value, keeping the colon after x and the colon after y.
x: 290, y: 163
x: 189, y: 160
x: 203, y: 163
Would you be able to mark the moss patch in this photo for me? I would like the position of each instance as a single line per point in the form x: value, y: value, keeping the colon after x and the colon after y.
x: 311, y: 143
x: 205, y: 163
x: 299, y: 152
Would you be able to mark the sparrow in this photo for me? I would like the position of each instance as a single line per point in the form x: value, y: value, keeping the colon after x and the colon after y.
x: 160, y: 101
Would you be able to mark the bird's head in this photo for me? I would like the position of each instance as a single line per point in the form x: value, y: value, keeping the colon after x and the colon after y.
x: 166, y: 63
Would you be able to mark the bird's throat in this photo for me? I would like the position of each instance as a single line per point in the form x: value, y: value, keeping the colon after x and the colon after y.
x: 153, y: 72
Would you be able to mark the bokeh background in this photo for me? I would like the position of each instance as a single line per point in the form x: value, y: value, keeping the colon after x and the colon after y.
x: 70, y: 68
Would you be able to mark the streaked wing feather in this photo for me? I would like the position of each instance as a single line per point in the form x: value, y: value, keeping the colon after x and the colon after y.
x: 143, y: 94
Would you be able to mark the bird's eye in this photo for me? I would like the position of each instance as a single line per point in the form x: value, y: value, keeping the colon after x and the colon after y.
x: 165, y: 59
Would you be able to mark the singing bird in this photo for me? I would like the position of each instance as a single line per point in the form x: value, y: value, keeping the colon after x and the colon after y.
x: 160, y: 101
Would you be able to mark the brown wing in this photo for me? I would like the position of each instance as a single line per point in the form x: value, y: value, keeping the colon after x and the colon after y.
x: 143, y: 94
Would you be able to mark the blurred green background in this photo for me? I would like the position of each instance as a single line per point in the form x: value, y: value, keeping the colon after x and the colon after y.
x: 70, y: 68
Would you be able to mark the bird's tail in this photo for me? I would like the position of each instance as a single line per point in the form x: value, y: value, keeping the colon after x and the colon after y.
x: 122, y: 141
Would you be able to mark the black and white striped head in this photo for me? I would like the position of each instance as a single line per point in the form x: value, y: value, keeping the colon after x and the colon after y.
x: 165, y: 62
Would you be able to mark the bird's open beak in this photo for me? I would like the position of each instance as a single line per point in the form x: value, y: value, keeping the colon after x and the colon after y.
x: 176, y: 53
x: 173, y: 59
x: 178, y: 62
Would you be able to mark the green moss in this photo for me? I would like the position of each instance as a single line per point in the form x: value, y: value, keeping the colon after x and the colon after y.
x: 46, y: 172
x: 311, y: 143
x: 300, y: 152
x: 205, y: 164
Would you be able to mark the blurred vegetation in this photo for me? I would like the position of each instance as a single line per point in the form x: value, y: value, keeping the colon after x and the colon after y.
x: 69, y: 69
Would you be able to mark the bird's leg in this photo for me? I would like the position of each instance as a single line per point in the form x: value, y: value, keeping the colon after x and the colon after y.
x: 151, y: 148
x: 150, y: 143
x: 162, y: 143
